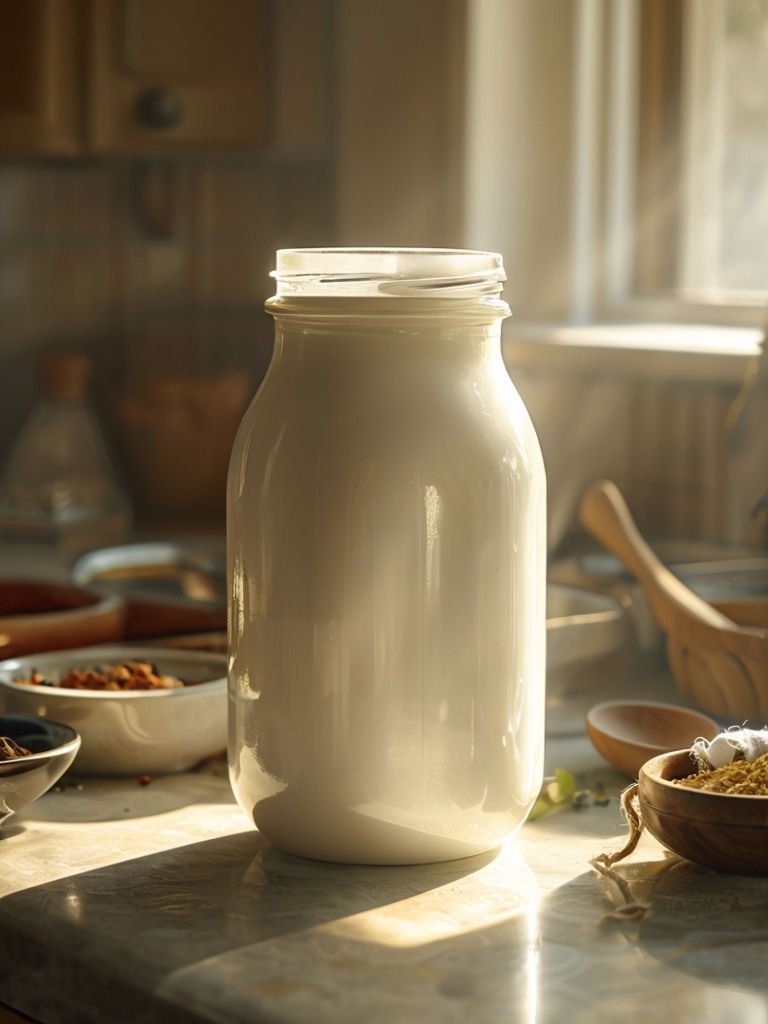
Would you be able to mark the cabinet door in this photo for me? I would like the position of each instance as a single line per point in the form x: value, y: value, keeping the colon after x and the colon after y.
x: 39, y: 78
x: 170, y: 74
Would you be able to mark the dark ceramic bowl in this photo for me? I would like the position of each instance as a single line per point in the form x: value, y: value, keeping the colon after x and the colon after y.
x: 52, y: 749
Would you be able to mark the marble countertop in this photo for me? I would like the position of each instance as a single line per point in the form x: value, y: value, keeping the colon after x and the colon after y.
x: 160, y: 903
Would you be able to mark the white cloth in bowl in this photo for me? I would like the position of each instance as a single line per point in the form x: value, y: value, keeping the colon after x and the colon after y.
x: 737, y: 744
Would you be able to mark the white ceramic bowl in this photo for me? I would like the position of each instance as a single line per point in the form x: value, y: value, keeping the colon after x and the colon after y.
x: 52, y: 749
x: 139, y: 732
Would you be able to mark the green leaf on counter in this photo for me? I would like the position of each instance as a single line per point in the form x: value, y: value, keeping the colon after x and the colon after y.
x: 557, y: 792
x: 566, y: 784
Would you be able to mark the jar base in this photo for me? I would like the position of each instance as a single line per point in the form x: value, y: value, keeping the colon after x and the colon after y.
x: 364, y: 836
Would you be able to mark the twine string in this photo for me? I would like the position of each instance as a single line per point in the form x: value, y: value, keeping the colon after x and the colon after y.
x: 626, y: 905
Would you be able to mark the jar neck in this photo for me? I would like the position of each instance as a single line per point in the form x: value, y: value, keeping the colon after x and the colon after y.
x: 355, y: 312
x: 383, y: 342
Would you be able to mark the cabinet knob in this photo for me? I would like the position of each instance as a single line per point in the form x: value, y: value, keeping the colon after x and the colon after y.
x: 158, y: 109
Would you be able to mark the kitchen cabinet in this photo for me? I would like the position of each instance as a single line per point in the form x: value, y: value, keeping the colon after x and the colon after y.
x: 104, y: 77
x: 39, y: 77
x: 167, y: 74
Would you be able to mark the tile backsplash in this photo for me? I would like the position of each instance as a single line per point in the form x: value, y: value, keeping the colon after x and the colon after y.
x: 158, y: 269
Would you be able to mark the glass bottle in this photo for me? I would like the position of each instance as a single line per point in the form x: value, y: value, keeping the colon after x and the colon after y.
x: 59, y: 486
x: 386, y: 563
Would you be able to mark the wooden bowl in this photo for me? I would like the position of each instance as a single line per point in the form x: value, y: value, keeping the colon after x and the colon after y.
x: 630, y: 732
x: 39, y: 616
x: 718, y: 830
x: 718, y: 655
x: 724, y: 669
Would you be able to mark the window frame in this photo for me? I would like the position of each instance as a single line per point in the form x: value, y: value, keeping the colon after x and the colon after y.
x: 565, y: 81
x: 652, y: 244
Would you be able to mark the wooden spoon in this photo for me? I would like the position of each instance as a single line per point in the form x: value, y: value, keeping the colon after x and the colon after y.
x: 719, y: 665
x: 604, y: 513
x: 629, y: 733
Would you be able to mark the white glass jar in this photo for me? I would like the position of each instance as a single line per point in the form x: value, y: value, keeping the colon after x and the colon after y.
x: 386, y: 562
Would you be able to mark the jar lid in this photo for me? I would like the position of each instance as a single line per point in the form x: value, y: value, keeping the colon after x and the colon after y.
x: 404, y: 272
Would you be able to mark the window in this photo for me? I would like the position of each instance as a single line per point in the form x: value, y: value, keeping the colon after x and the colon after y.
x: 725, y: 152
x: 618, y: 156
x: 701, y: 213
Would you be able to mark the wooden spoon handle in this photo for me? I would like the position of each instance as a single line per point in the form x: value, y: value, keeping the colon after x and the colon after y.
x: 605, y: 514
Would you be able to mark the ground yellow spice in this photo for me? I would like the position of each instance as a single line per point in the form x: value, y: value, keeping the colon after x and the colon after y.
x: 748, y: 778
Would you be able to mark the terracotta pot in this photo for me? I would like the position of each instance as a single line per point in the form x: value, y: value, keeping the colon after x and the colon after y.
x: 177, y: 435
